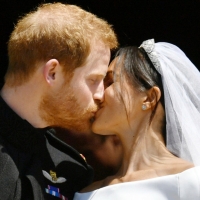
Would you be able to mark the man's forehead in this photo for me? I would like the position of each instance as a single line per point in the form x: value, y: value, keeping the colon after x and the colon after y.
x: 100, y: 48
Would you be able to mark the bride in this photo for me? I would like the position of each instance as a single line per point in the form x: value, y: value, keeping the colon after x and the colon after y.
x: 152, y: 103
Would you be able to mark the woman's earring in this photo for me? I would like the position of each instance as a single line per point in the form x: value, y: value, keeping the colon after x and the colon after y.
x: 144, y: 107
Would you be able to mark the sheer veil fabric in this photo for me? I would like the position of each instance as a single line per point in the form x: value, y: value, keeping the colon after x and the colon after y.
x: 181, y: 84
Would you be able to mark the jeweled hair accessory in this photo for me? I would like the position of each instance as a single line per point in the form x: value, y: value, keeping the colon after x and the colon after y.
x: 149, y: 46
x: 181, y: 86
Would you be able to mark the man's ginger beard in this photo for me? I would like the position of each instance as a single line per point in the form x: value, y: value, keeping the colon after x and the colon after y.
x: 62, y: 110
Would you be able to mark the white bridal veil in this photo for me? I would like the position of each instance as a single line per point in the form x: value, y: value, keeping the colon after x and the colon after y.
x: 181, y: 84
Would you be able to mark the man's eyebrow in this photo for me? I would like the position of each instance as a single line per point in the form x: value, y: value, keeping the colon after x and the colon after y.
x: 97, y: 74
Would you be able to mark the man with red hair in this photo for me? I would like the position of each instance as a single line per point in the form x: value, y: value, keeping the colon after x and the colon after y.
x: 58, y: 58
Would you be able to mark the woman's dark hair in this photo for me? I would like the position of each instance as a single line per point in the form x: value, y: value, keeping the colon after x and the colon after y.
x: 139, y: 71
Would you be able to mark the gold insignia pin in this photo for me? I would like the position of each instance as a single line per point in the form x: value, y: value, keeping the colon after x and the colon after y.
x: 53, y: 175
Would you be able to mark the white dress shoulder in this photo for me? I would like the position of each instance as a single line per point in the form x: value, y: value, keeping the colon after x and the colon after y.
x: 181, y: 186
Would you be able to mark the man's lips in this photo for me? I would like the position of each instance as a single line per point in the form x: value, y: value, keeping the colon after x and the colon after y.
x: 93, y: 116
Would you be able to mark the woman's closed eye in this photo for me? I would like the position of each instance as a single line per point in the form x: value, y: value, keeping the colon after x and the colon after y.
x: 108, y: 80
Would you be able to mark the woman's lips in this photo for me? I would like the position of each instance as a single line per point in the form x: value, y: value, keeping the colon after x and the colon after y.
x: 98, y: 112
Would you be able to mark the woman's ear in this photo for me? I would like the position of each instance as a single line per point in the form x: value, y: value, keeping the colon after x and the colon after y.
x: 50, y: 70
x: 153, y: 96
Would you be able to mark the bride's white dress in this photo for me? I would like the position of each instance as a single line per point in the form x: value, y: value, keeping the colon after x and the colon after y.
x: 181, y: 186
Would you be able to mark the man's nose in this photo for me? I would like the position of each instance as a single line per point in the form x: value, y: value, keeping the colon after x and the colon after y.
x: 99, y: 93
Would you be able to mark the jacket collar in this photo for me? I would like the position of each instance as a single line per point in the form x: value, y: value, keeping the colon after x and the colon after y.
x: 17, y: 131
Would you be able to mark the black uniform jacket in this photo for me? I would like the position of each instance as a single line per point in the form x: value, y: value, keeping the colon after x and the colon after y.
x: 34, y: 164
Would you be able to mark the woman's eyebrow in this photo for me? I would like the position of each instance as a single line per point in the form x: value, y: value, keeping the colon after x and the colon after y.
x: 109, y: 72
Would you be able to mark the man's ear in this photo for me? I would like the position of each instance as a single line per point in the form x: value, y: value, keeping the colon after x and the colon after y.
x: 153, y: 96
x: 50, y: 70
